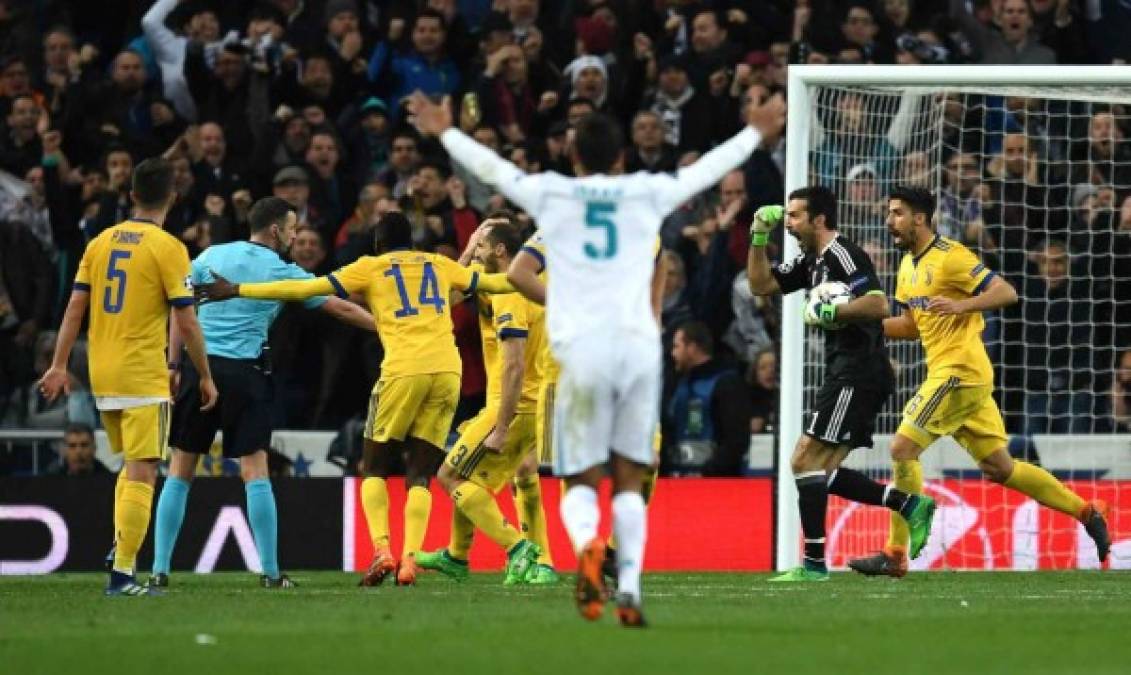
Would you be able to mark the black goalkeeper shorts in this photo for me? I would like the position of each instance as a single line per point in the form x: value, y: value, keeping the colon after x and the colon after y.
x: 844, y: 414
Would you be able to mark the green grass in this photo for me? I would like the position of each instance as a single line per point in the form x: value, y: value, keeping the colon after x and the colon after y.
x: 719, y: 623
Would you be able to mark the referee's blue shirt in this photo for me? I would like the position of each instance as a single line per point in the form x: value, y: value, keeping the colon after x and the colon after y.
x: 237, y: 328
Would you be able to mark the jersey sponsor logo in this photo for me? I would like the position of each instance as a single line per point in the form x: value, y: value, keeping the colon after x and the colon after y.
x: 918, y: 302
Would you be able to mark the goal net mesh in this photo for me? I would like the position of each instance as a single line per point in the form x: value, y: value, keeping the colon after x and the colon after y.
x: 1038, y: 183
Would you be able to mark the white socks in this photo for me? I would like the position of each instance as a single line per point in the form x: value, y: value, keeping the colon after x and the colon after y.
x: 580, y: 515
x: 630, y: 525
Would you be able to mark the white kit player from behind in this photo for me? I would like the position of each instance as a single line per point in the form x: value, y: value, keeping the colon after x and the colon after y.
x: 599, y: 231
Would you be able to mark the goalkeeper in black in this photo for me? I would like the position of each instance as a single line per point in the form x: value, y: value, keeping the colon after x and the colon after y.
x: 858, y: 376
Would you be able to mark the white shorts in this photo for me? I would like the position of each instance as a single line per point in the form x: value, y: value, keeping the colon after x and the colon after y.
x: 607, y: 401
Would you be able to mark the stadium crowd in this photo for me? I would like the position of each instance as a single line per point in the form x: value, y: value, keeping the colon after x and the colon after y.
x: 302, y: 99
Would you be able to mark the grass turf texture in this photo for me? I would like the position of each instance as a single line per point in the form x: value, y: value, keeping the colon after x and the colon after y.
x: 720, y: 623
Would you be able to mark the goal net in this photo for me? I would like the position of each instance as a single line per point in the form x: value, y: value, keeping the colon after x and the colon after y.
x: 1036, y: 179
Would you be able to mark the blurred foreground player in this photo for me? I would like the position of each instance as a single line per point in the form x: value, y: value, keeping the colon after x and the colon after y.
x: 599, y: 231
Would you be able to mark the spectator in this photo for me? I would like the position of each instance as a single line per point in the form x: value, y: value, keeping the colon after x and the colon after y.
x: 333, y: 191
x: 368, y: 139
x: 216, y: 171
x: 76, y: 453
x: 425, y: 66
x: 200, y: 25
x: 859, y: 31
x: 293, y: 185
x: 1121, y: 394
x: 428, y: 207
x: 404, y: 157
x: 344, y: 46
x: 685, y: 114
x: 864, y: 205
x: 709, y: 411
x: 764, y: 396
x: 221, y: 92
x: 857, y: 140
x: 1058, y: 367
x: 309, y: 251
x: 710, y: 45
x: 510, y: 101
x: 757, y: 320
x: 61, y: 67
x: 960, y: 208
x: 650, y: 151
x: 20, y: 148
x: 1104, y: 158
x: 1011, y: 42
x: 26, y: 293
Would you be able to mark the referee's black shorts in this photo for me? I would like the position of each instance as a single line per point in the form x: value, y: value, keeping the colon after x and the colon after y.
x: 845, y: 414
x: 243, y: 412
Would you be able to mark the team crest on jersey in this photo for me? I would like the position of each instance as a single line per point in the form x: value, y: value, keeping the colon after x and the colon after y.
x: 188, y: 281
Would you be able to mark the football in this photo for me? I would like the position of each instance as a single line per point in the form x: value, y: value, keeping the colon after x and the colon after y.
x: 831, y: 292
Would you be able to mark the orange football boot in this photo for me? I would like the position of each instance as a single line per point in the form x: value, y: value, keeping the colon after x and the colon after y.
x: 591, y: 593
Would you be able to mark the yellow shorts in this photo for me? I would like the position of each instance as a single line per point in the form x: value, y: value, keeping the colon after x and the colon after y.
x: 491, y: 470
x: 421, y: 406
x: 946, y: 407
x: 544, y: 426
x: 140, y: 433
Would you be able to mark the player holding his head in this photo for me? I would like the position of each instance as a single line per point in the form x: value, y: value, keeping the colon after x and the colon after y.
x: 412, y: 405
x: 599, y: 230
x: 236, y: 334
x: 135, y: 272
x: 858, y: 376
x: 942, y: 290
x: 495, y: 443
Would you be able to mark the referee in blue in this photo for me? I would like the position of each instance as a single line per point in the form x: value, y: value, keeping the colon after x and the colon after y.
x: 235, y: 334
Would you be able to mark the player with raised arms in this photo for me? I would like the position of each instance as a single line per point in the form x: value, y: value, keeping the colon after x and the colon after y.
x: 413, y: 402
x: 942, y: 290
x: 135, y: 272
x: 599, y: 230
x: 847, y: 301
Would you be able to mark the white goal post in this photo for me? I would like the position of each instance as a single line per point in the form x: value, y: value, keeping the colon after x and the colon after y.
x: 1083, y: 84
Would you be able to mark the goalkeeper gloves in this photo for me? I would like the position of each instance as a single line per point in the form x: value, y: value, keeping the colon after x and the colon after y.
x: 765, y: 219
x: 819, y: 313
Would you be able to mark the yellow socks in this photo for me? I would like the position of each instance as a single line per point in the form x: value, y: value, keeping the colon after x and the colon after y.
x: 648, y: 488
x: 908, y: 478
x: 375, y: 503
x: 417, y: 506
x: 480, y: 507
x: 1045, y: 488
x: 131, y: 520
x: 463, y: 533
x: 528, y: 503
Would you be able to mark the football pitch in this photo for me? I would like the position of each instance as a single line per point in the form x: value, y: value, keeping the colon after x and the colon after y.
x: 700, y: 623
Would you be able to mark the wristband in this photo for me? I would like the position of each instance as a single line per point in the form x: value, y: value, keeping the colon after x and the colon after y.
x: 759, y: 238
x: 826, y: 312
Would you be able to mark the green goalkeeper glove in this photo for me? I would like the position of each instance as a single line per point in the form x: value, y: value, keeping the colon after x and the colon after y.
x: 765, y: 219
x: 821, y: 314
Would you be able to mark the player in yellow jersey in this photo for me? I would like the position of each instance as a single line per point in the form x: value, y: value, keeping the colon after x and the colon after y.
x: 943, y: 289
x: 135, y: 272
x: 495, y: 442
x: 413, y: 402
x: 529, y: 275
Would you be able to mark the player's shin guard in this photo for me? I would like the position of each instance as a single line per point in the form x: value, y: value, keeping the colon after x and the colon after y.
x: 417, y: 507
x: 170, y: 516
x: 480, y: 507
x: 812, y: 502
x: 580, y: 515
x: 131, y: 520
x: 375, y: 503
x: 463, y: 533
x: 630, y: 523
x: 909, y: 479
x: 264, y: 518
x: 1042, y: 486
x: 528, y: 503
